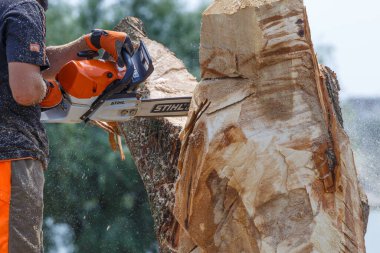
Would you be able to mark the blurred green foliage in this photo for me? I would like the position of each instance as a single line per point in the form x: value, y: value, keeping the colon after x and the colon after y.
x: 99, y: 196
x: 165, y: 21
x: 88, y: 187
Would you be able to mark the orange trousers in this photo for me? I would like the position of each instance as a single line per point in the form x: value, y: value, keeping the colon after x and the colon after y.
x: 21, y: 206
x: 5, y: 199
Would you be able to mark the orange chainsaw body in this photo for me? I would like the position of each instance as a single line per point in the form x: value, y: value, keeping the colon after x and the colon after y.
x: 86, y: 79
x: 98, y: 90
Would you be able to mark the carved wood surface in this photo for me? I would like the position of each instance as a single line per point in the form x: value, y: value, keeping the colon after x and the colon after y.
x: 268, y: 167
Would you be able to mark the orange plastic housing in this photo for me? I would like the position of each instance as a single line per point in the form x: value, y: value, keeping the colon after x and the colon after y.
x: 88, y: 78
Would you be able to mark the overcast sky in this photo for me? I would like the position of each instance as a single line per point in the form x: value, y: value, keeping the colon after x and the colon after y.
x: 352, y: 28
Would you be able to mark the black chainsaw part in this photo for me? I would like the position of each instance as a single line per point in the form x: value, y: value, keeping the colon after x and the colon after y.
x: 143, y: 67
x: 88, y: 54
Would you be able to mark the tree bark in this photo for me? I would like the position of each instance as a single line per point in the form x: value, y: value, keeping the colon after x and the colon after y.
x: 266, y: 166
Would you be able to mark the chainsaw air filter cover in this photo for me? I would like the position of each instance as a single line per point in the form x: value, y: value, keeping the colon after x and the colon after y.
x: 86, y: 79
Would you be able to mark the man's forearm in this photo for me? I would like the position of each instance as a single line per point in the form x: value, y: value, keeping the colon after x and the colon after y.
x: 60, y: 55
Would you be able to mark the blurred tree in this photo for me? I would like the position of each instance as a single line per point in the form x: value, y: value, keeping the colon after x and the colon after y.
x: 97, y: 194
x: 166, y: 21
x: 60, y: 23
x: 100, y: 197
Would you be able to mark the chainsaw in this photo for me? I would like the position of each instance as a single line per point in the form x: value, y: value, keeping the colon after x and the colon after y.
x: 101, y: 90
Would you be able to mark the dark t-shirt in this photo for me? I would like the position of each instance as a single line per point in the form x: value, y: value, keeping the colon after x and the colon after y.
x: 22, y: 39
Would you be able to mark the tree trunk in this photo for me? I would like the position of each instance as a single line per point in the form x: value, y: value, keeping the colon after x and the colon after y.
x: 267, y: 166
x: 154, y: 142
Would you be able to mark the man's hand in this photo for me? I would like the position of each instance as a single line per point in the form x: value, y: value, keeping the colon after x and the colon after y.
x: 110, y: 41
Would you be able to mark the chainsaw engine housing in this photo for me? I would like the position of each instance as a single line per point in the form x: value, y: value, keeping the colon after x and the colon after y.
x: 88, y: 78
